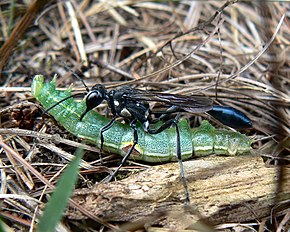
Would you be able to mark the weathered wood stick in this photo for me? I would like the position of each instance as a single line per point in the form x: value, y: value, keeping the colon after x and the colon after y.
x: 222, y: 189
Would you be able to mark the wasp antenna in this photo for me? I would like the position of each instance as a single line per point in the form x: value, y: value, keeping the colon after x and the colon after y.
x: 77, y: 76
x: 74, y: 95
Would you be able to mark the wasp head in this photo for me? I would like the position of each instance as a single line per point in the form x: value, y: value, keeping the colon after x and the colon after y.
x: 94, y: 98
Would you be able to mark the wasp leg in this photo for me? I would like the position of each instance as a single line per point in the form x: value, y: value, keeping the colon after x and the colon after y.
x: 105, y: 128
x: 163, y: 127
x: 163, y: 115
x: 135, y: 141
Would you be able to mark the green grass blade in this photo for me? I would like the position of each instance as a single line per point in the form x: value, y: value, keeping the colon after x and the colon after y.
x: 4, y: 227
x: 60, y: 197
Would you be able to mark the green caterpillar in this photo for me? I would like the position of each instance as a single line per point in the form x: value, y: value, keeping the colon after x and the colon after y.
x: 200, y: 141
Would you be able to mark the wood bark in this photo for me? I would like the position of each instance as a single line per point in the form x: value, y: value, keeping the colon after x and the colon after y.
x: 222, y: 190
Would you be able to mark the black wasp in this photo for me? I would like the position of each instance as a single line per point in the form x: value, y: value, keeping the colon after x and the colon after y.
x: 133, y: 105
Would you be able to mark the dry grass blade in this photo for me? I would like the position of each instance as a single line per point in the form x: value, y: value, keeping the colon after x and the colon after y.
x: 45, y: 181
x: 7, y: 49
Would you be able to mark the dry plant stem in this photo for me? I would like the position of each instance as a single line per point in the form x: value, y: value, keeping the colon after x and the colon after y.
x: 67, y: 29
x: 251, y: 62
x: 65, y: 155
x: 176, y: 63
x: 16, y: 219
x: 77, y: 32
x: 276, y: 61
x: 84, y: 21
x: 55, y: 138
x: 223, y: 189
x: 45, y: 181
x: 201, y: 26
x: 7, y: 49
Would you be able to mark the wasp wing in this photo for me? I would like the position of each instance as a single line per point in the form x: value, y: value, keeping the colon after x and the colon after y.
x: 192, y: 104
